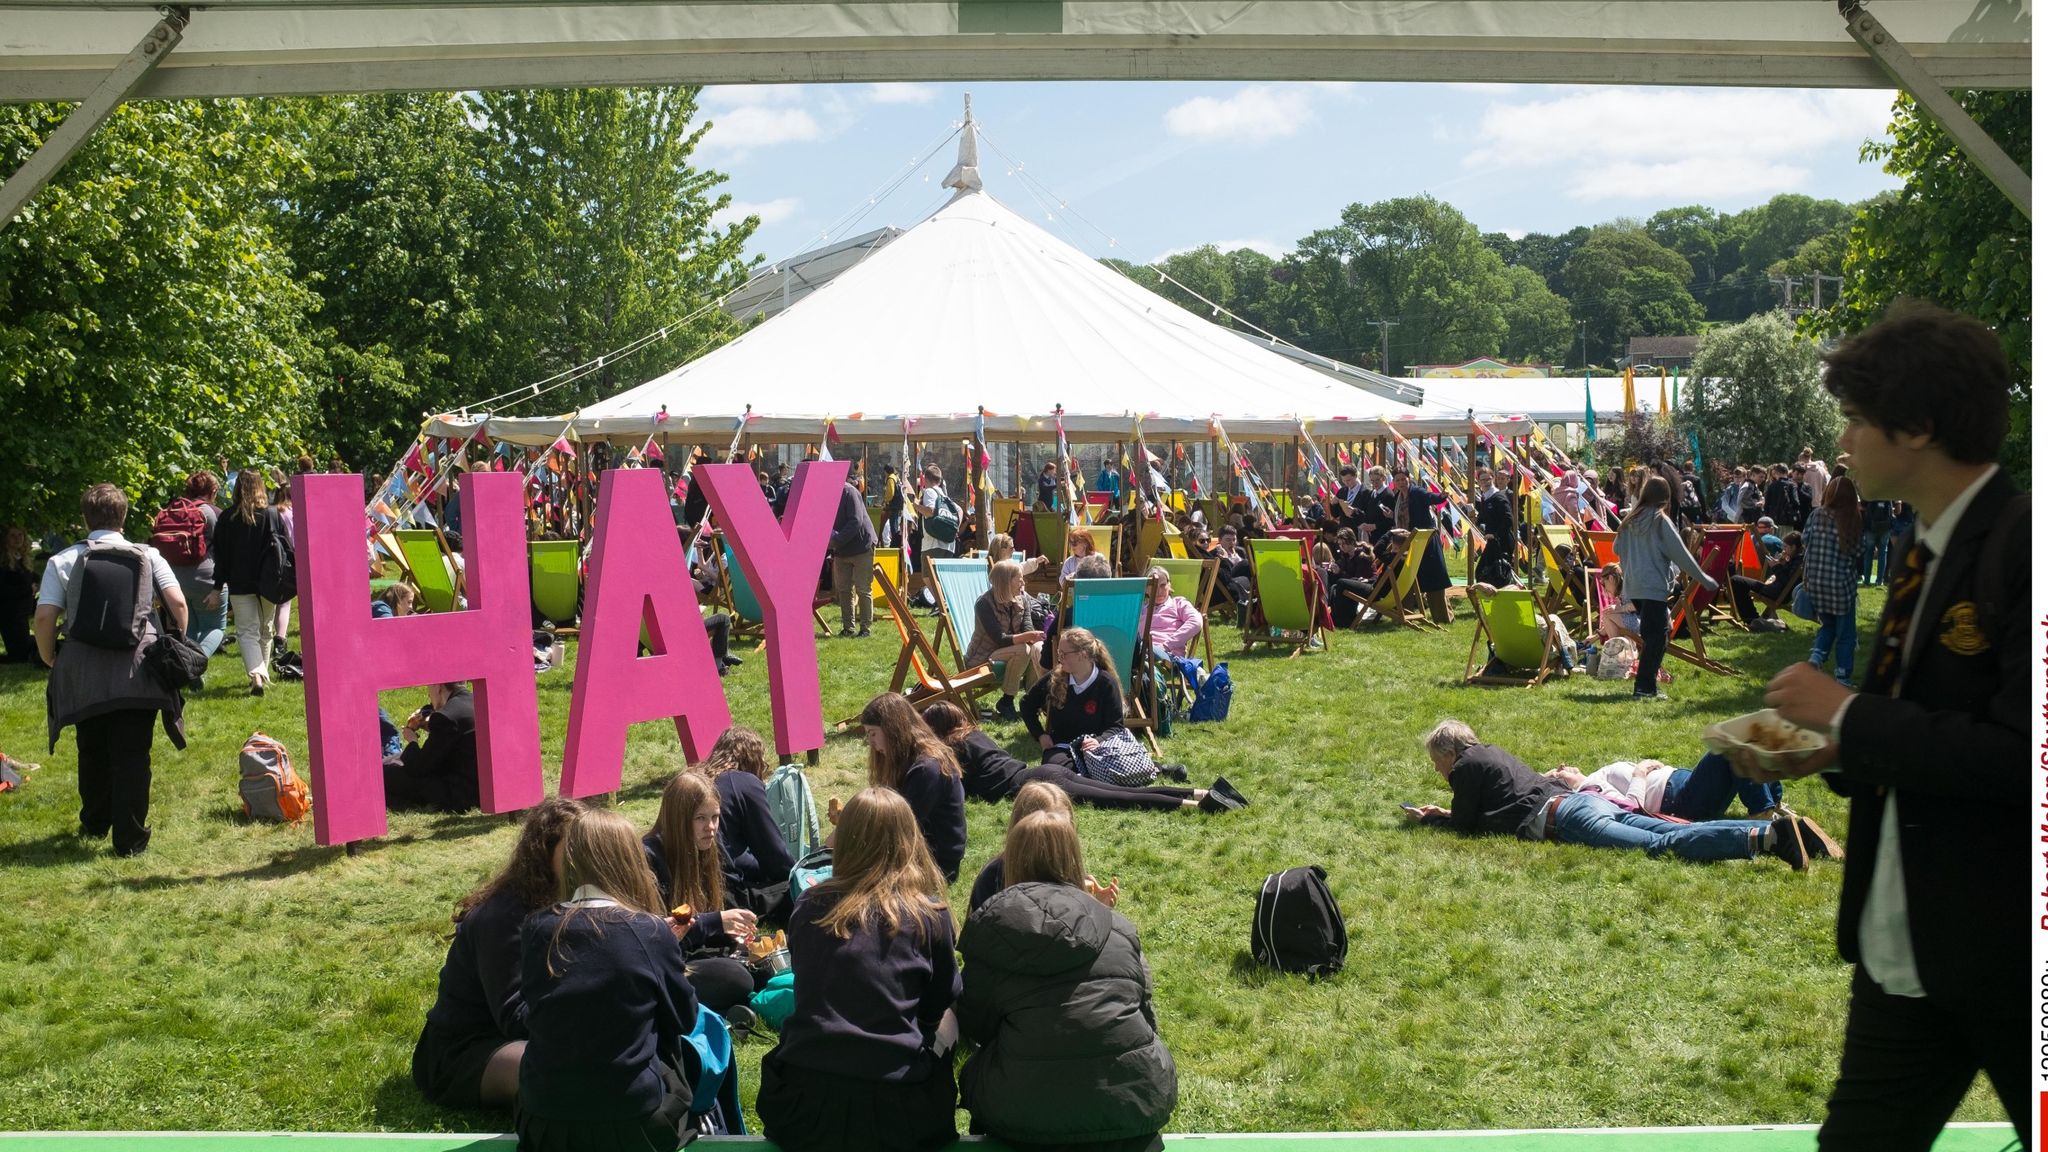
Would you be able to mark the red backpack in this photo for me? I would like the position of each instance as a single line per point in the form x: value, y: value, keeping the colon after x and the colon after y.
x: 180, y: 533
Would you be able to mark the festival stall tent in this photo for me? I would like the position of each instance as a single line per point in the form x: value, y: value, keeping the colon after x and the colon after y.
x: 977, y: 318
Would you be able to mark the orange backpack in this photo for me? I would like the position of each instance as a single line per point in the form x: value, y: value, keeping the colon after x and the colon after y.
x: 270, y: 789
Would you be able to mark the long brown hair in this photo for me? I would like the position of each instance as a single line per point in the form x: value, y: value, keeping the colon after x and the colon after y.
x: 906, y: 739
x: 949, y: 723
x: 602, y: 850
x: 1098, y: 655
x: 882, y: 873
x: 1842, y: 499
x: 1043, y: 848
x: 737, y: 748
x: 530, y: 873
x: 251, y: 495
x: 1650, y: 501
x: 694, y: 877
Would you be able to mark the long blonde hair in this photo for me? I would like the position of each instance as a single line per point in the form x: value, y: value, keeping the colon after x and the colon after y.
x: 251, y: 495
x: 602, y: 850
x: 882, y: 873
x: 1098, y: 655
x: 906, y: 739
x: 1039, y: 796
x: 1044, y: 848
x: 694, y: 877
x: 1006, y: 574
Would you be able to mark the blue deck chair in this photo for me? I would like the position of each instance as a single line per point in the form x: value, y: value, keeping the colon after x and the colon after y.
x: 961, y: 585
x: 1114, y: 610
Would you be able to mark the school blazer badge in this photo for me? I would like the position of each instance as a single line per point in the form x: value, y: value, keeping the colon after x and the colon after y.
x: 1959, y: 632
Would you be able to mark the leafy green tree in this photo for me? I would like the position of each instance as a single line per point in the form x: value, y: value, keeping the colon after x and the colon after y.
x: 1950, y: 237
x: 149, y: 318
x: 1755, y: 393
x: 1622, y: 283
x: 1416, y: 261
x: 390, y: 228
x: 600, y: 234
x: 1540, y: 328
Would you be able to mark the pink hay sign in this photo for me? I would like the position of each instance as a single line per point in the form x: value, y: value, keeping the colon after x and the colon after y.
x: 639, y: 585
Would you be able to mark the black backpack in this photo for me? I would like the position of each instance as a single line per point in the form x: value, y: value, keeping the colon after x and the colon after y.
x: 108, y: 595
x: 278, y: 579
x: 1296, y: 926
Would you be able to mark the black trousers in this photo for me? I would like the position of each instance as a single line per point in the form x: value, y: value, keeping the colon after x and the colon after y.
x: 1343, y: 609
x: 1655, y: 622
x: 15, y: 633
x: 1058, y: 771
x: 113, y: 777
x: 1907, y: 1061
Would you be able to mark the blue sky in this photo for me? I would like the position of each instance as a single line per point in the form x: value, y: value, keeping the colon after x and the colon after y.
x: 1161, y: 167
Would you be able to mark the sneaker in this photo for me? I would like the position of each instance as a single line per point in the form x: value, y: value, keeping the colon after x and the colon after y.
x: 862, y: 634
x: 1787, y: 844
x: 1818, y: 844
x: 733, y: 661
x: 846, y: 633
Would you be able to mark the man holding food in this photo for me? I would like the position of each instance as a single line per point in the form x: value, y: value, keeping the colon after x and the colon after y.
x: 1931, y: 749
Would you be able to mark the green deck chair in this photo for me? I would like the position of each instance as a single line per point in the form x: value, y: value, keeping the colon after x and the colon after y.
x: 748, y: 618
x: 1114, y: 610
x: 553, y: 567
x: 1051, y: 528
x: 1194, y: 580
x: 1286, y: 604
x: 433, y: 574
x: 1517, y: 637
x: 1390, y: 595
x: 961, y: 585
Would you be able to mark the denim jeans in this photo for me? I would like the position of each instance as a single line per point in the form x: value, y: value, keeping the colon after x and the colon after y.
x: 1702, y: 792
x: 1655, y: 620
x: 204, y: 626
x: 1584, y: 818
x: 1839, y: 633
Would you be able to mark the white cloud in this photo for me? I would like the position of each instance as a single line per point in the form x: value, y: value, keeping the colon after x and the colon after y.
x: 1628, y: 143
x: 1263, y: 247
x: 902, y: 93
x: 740, y: 129
x: 770, y: 211
x: 1257, y: 112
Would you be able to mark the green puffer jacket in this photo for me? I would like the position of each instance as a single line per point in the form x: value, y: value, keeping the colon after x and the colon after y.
x: 1055, y: 990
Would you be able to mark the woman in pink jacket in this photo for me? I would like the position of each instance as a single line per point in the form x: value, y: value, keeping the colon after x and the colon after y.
x: 1175, y: 622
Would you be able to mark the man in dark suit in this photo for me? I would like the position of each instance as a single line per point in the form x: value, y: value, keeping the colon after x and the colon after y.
x: 1414, y: 508
x: 439, y: 773
x: 1932, y: 750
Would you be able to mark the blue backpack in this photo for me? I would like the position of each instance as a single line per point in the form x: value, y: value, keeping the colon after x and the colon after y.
x: 1212, y: 699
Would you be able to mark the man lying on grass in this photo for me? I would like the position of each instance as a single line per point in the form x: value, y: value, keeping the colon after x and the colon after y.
x: 1492, y: 792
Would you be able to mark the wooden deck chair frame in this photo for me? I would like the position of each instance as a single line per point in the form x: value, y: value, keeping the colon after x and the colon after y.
x: 1559, y: 598
x: 1139, y: 686
x: 1692, y: 649
x: 1720, y: 607
x: 919, y: 658
x: 1205, y: 594
x: 951, y: 624
x: 1475, y: 664
x: 751, y: 628
x: 443, y: 589
x: 1396, y: 583
x: 1312, y: 595
x: 1150, y: 535
x: 1783, y: 599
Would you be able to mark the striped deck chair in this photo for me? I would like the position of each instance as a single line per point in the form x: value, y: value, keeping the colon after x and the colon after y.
x: 1518, y: 640
x: 961, y: 585
x: 920, y: 660
x: 1195, y: 580
x: 1397, y: 583
x: 557, y: 590
x: 428, y: 565
x: 1114, y: 610
x: 1716, y: 556
x: 1290, y: 599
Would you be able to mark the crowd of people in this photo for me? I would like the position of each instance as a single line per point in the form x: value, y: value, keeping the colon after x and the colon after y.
x: 580, y: 974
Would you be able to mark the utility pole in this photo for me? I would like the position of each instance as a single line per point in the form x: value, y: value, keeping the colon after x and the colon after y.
x: 1817, y: 278
x: 1582, y: 344
x: 1384, y: 325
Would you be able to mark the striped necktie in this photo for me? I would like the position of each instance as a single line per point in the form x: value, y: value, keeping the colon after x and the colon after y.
x: 1899, y: 603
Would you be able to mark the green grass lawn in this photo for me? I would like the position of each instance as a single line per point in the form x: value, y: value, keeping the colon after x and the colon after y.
x: 238, y: 977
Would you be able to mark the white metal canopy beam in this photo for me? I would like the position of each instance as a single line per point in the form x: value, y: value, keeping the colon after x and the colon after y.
x: 61, y: 49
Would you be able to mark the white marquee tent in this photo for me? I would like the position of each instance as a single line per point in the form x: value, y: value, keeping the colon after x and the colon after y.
x: 976, y: 306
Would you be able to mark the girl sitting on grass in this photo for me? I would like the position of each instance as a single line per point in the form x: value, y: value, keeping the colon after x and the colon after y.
x: 683, y: 854
x: 469, y: 1049
x: 905, y: 757
x: 608, y: 1004
x: 757, y: 858
x: 861, y: 1064
x: 1057, y: 994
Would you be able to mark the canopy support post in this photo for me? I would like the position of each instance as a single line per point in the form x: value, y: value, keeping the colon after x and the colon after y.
x: 1907, y: 73
x: 77, y: 129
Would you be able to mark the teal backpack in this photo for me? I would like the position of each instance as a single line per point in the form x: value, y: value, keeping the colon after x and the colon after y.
x: 789, y: 800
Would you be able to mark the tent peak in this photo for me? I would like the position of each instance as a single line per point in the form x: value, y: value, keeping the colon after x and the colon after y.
x: 965, y: 178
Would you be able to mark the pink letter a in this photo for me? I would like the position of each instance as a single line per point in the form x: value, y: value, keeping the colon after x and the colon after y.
x: 638, y: 573
x: 351, y: 657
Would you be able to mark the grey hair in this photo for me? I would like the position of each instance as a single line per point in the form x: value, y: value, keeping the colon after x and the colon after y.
x: 1449, y: 738
x: 1094, y: 566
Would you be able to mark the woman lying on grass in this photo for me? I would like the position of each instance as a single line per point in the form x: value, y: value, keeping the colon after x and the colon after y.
x: 990, y: 773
